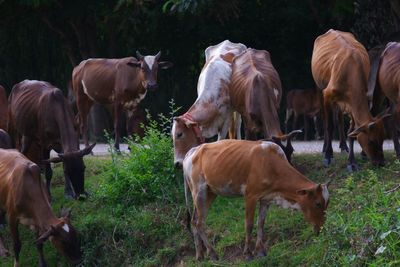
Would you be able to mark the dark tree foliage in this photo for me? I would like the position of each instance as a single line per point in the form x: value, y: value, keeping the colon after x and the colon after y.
x: 44, y: 39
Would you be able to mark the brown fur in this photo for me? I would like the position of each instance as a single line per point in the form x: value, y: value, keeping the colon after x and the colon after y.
x: 340, y: 66
x: 256, y: 170
x: 23, y: 198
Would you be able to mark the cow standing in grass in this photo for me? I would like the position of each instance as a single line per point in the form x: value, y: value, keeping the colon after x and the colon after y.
x: 40, y: 119
x: 121, y: 82
x: 24, y: 200
x: 255, y: 170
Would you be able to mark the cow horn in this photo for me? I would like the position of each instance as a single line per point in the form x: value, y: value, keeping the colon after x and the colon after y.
x: 139, y: 56
x: 86, y: 150
x: 53, y: 160
x: 45, y: 235
x: 292, y: 133
x: 158, y: 55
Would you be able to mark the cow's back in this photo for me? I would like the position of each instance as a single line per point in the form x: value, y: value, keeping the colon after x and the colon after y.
x: 339, y: 57
x: 100, y: 77
x: 389, y: 71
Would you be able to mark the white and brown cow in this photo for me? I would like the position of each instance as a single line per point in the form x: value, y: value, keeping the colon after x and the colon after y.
x: 211, y: 113
x: 255, y: 170
x: 24, y: 200
x: 122, y: 82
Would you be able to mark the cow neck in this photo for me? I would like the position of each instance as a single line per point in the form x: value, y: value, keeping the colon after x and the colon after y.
x: 271, y: 122
x: 360, y: 110
x: 292, y: 182
x: 69, y: 138
x: 196, y: 129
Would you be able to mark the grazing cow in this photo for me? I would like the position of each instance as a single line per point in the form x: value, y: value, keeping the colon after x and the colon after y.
x: 23, y: 198
x: 340, y: 66
x: 41, y: 119
x: 211, y: 112
x: 256, y: 170
x: 255, y: 92
x: 122, y: 82
x: 387, y: 75
x: 3, y: 108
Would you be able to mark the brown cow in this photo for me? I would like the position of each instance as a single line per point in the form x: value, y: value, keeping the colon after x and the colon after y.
x: 255, y: 92
x: 23, y: 198
x: 41, y: 119
x: 340, y: 66
x: 122, y: 82
x: 256, y: 170
x: 388, y: 84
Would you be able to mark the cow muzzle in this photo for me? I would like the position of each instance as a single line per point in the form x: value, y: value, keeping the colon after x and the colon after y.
x: 178, y: 164
x: 151, y: 86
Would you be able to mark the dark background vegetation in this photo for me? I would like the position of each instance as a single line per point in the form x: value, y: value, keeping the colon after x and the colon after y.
x: 45, y: 39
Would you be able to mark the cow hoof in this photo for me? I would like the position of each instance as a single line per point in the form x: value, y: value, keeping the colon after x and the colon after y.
x: 328, y: 162
x: 83, y: 196
x: 344, y: 150
x: 352, y: 167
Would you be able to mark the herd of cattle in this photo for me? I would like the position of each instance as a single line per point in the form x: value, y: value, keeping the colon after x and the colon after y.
x: 235, y: 83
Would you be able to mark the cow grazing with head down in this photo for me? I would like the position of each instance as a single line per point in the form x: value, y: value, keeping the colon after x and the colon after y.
x: 211, y: 113
x: 121, y: 82
x: 255, y: 170
x: 385, y: 72
x: 255, y: 92
x: 40, y: 119
x: 23, y: 199
x: 340, y: 66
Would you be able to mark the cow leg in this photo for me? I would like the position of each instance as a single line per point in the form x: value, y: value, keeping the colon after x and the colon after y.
x: 15, y: 238
x: 48, y: 172
x: 306, y: 126
x: 342, y: 136
x: 117, y: 124
x: 203, y: 201
x: 395, y: 136
x: 84, y: 105
x: 3, y: 251
x: 198, y: 244
x: 351, y: 164
x: 250, y: 210
x: 328, y: 127
x: 294, y: 122
x: 224, y: 130
x: 238, y: 125
x: 260, y: 248
x: 39, y: 247
x: 317, y: 135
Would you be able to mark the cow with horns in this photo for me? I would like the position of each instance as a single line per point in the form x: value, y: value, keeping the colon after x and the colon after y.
x: 121, y: 82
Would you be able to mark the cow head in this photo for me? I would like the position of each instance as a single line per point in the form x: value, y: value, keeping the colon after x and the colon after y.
x: 74, y: 168
x: 314, y: 202
x: 371, y: 136
x: 64, y: 238
x: 288, y: 149
x: 149, y: 66
x: 185, y: 135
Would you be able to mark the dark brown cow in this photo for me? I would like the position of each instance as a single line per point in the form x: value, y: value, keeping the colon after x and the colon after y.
x: 257, y: 171
x: 23, y: 198
x: 122, y: 82
x: 388, y: 84
x: 340, y: 66
x: 41, y: 119
x: 255, y: 92
x: 3, y: 108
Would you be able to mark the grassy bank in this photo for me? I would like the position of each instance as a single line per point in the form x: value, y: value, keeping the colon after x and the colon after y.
x: 362, y: 227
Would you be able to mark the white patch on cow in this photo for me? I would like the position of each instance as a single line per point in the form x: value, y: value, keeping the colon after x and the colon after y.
x: 325, y: 193
x: 66, y: 228
x: 243, y: 189
x: 270, y: 145
x: 150, y: 61
x: 280, y: 201
x: 85, y: 90
x: 188, y: 163
x: 276, y: 92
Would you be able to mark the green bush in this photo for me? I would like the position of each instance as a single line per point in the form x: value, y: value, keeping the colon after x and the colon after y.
x: 146, y: 174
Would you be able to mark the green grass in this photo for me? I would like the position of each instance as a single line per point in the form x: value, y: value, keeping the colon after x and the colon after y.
x: 362, y: 217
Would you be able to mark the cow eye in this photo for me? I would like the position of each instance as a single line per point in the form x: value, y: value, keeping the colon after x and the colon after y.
x: 179, y: 135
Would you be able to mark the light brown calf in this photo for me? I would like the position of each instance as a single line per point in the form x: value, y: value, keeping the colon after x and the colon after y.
x: 256, y: 170
x: 24, y: 199
x: 340, y: 66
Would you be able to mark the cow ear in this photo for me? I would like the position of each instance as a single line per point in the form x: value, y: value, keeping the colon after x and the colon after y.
x: 165, y: 65
x: 134, y: 64
x: 87, y: 150
x: 228, y: 57
x: 362, y: 128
